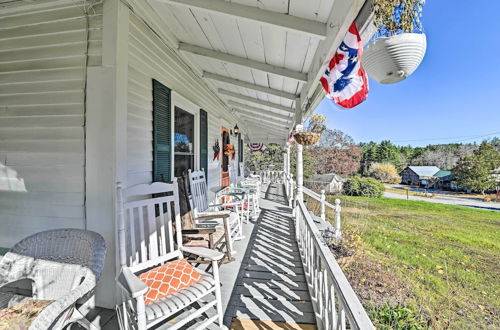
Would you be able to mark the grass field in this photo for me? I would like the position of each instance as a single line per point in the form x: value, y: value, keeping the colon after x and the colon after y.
x: 441, y: 261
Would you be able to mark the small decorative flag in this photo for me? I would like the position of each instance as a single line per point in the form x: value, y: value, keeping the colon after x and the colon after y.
x: 256, y: 146
x: 345, y: 80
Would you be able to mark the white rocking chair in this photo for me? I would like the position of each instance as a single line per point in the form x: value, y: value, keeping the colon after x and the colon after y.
x: 147, y: 240
x: 254, y: 183
x: 201, y: 207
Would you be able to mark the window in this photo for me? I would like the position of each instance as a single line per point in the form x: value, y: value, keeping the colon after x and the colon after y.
x: 183, y: 142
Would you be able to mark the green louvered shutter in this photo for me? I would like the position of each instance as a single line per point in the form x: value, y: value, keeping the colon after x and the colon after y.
x: 162, y: 119
x: 204, y: 141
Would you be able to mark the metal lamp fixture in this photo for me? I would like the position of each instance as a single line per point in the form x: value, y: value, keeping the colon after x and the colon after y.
x: 236, y: 130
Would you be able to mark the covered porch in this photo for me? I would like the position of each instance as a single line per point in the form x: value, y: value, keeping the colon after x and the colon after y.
x: 79, y: 114
x: 271, y: 284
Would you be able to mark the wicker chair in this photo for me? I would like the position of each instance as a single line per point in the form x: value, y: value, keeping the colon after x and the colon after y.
x: 61, y: 265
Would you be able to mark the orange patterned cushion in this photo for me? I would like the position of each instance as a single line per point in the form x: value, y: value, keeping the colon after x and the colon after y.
x: 168, y: 278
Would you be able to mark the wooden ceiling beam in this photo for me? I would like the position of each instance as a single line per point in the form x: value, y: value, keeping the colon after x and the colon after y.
x: 282, y: 21
x: 266, y: 114
x: 254, y: 100
x: 270, y: 122
x: 266, y: 125
x: 245, y: 62
x: 244, y: 84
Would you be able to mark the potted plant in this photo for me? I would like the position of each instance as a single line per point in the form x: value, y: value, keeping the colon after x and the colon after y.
x: 399, y: 45
x: 313, y: 131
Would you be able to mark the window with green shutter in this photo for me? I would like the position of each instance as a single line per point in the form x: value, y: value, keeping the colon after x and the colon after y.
x: 162, y: 154
x: 204, y: 141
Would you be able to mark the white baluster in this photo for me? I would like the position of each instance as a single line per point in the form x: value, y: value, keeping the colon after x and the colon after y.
x: 338, y: 209
x: 323, y: 199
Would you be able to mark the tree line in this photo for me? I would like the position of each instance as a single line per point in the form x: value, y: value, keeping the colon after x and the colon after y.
x: 337, y: 152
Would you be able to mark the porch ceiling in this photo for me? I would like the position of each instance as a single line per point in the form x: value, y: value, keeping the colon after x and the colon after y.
x: 263, y: 58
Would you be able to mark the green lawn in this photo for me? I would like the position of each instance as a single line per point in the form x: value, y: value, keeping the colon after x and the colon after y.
x: 447, y: 256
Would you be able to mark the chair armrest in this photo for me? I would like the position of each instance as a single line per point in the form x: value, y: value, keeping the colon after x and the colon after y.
x: 214, y: 205
x: 198, y: 231
x: 62, y: 306
x: 213, y: 216
x: 239, y: 203
x: 203, y: 252
x: 131, y: 284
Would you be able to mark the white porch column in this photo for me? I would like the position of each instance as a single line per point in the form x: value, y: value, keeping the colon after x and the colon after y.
x: 288, y: 159
x: 106, y: 140
x: 300, y: 173
x: 284, y: 163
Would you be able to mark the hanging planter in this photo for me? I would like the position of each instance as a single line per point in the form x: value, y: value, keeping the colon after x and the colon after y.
x: 306, y: 138
x: 399, y: 45
x: 311, y: 135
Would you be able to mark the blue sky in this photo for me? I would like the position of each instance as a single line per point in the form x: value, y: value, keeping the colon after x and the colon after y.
x: 452, y: 97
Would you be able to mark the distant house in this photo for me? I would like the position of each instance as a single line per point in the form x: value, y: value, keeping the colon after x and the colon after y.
x: 331, y: 182
x: 419, y: 175
x: 443, y: 179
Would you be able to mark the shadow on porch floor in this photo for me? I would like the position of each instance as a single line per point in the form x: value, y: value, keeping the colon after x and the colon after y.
x: 266, y: 282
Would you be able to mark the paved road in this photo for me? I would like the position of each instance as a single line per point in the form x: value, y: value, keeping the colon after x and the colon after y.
x: 451, y: 200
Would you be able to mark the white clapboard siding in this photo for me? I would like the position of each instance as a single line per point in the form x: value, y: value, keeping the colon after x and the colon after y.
x: 214, y: 133
x: 149, y: 59
x: 42, y: 72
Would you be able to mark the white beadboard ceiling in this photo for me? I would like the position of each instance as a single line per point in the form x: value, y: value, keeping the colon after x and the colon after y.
x: 267, y: 52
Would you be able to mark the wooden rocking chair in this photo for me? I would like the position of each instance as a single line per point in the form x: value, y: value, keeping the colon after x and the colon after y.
x: 205, y: 235
x: 202, y: 208
x: 147, y: 245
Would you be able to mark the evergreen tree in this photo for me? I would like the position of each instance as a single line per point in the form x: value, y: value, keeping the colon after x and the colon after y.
x: 474, y: 171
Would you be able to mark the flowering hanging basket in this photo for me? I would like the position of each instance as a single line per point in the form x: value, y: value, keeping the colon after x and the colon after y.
x: 399, y: 44
x: 389, y: 60
x: 306, y: 138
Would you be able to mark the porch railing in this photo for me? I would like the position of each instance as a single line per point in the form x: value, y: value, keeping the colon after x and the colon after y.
x: 289, y: 187
x: 268, y: 176
x: 321, y: 198
x: 335, y: 304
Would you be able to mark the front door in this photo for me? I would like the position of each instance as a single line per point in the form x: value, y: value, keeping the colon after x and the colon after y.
x: 225, y: 181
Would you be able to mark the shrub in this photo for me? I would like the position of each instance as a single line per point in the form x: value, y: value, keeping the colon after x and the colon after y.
x: 384, y: 172
x: 348, y: 245
x: 387, y: 317
x: 492, y: 198
x: 366, y: 187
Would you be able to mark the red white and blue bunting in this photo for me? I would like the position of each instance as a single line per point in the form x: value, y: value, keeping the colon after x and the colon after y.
x: 345, y: 80
x: 256, y: 146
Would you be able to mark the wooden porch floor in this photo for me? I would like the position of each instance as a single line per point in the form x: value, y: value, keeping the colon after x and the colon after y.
x: 266, y: 282
x: 271, y: 284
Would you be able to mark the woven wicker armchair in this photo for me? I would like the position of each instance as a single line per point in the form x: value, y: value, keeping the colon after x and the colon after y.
x: 61, y: 265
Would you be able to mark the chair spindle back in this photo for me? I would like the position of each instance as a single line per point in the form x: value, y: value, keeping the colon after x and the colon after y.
x: 147, y: 215
x: 199, y: 191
